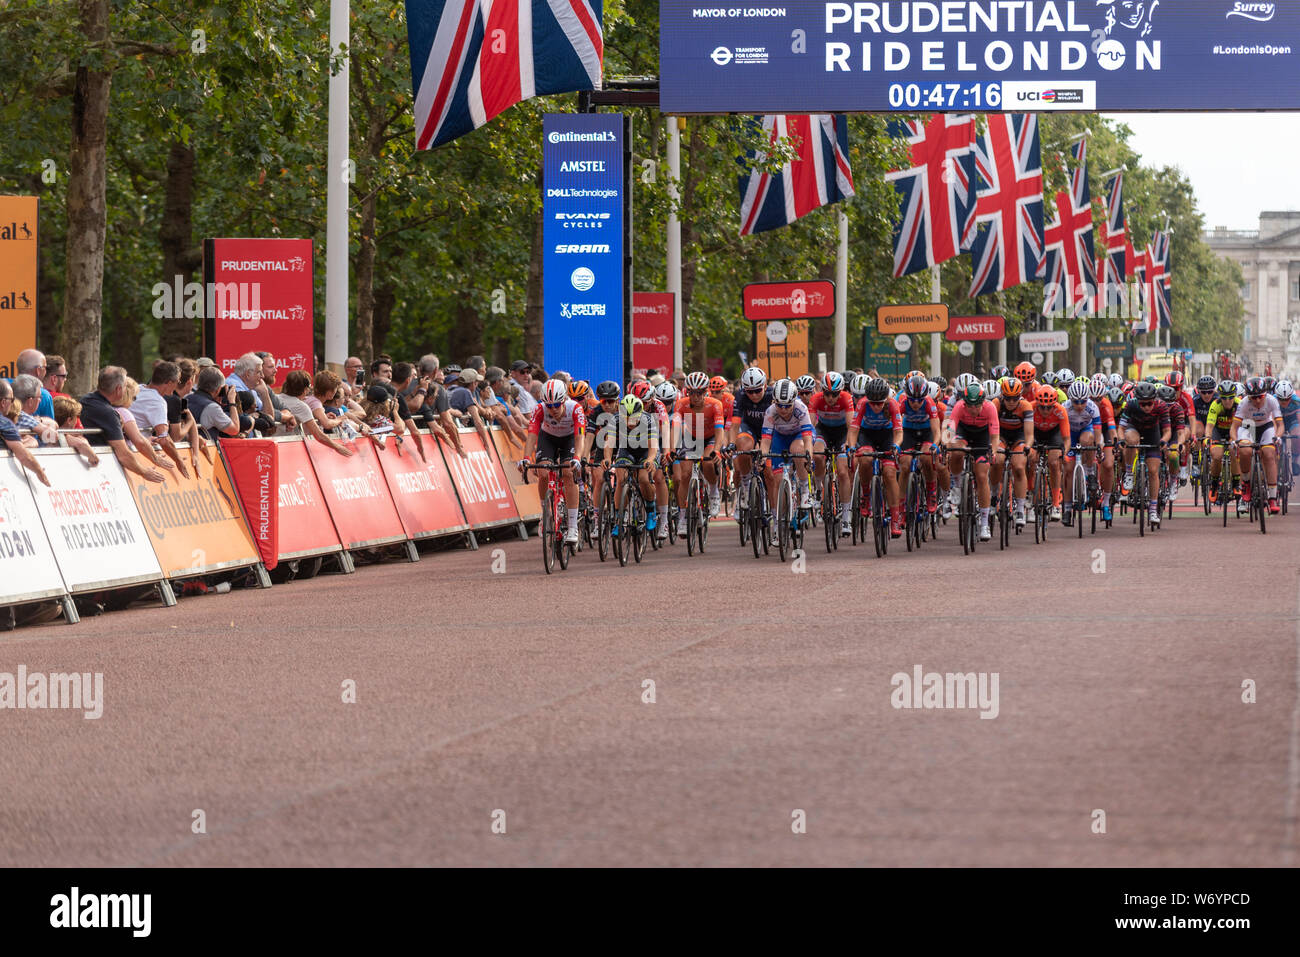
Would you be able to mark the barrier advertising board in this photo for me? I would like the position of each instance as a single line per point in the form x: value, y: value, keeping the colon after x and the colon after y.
x: 528, y: 499
x: 254, y: 467
x: 422, y: 491
x: 28, y: 570
x: 356, y: 493
x: 304, y: 526
x: 480, y: 482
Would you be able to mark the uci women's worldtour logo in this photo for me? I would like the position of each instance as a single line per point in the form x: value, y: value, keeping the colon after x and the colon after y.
x: 1261, y: 12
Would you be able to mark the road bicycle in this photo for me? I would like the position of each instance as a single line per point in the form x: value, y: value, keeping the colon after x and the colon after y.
x: 605, y: 515
x: 917, y: 519
x: 697, y: 508
x: 1085, y: 490
x: 967, y: 507
x: 1042, y: 496
x: 629, y: 531
x: 1258, y: 510
x: 789, y: 520
x: 1285, y: 479
x: 1139, y: 498
x: 1005, y: 511
x: 553, y: 515
x: 754, y: 514
x: 829, y: 506
x: 878, y: 509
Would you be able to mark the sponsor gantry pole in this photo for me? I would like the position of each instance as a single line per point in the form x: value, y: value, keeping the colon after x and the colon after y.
x: 936, y: 295
x: 336, y: 193
x: 841, y: 350
x: 675, y: 234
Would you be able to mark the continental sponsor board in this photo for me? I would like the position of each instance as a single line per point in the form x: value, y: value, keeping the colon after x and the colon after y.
x: 94, y: 527
x: 28, y: 570
x: 914, y: 318
x: 194, y: 522
x: 18, y: 247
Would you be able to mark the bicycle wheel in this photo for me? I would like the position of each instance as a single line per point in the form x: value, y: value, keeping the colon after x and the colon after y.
x: 741, y: 509
x: 674, y: 512
x: 965, y: 526
x: 622, y: 546
x: 692, y: 513
x: 782, y: 517
x: 1041, y: 491
x: 909, y: 512
x: 638, y: 530
x: 830, y: 508
x: 547, y: 532
x: 1004, y: 509
x: 757, y: 507
x: 1140, y: 497
x: 604, y: 521
x: 702, y: 526
x: 855, y: 509
x: 1259, y: 491
x: 878, y: 529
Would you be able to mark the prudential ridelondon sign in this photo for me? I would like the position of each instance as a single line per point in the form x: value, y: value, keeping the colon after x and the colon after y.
x: 809, y: 56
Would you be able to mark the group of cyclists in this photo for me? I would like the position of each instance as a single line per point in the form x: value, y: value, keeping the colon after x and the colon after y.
x: 847, y: 422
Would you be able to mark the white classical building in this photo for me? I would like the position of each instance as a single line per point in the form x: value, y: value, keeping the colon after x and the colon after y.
x: 1270, y: 262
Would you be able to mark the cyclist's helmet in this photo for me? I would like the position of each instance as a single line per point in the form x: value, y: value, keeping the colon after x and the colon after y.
x: 1255, y: 386
x: 1154, y: 380
x: 805, y: 384
x: 1064, y: 378
x: 932, y: 389
x: 1116, y: 380
x: 784, y: 393
x: 1227, y: 390
x: 916, y: 387
x: 1241, y: 390
x: 717, y: 384
x: 1079, y: 390
x: 697, y: 382
x: 1012, y: 388
x: 964, y: 380
x: 1096, y: 388
x: 943, y: 383
x: 1099, y: 377
x: 877, y: 390
x: 632, y: 406
x: 1284, y: 390
x: 858, y: 385
x: 666, y: 393
x: 1026, y: 372
x: 556, y: 391
x: 1001, y: 372
x: 973, y: 394
x: 1206, y: 383
x: 1115, y: 395
x: 607, y: 390
x: 579, y: 390
x: 1269, y: 382
x: 1048, y: 378
x: 1167, y: 393
x: 832, y: 382
x: 1047, y: 395
x: 753, y: 378
x: 990, y: 387
x: 1145, y: 391
x: 1174, y: 380
x: 640, y: 388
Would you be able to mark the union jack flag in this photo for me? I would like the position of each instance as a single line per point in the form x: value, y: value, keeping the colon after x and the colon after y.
x: 1161, y: 306
x: 1114, y: 239
x: 936, y: 193
x: 1071, y: 257
x: 472, y: 59
x: 818, y: 175
x: 1006, y: 228
x: 1137, y: 263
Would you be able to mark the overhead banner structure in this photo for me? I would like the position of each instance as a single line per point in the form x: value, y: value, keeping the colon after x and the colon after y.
x: 481, y: 482
x: 194, y: 522
x: 762, y: 301
x: 258, y: 298
x: 582, y: 233
x: 93, y: 526
x: 18, y: 215
x: 781, y: 348
x: 978, y: 56
x: 652, y: 331
x: 28, y: 570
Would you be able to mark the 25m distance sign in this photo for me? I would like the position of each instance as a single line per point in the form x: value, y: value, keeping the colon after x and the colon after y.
x: 812, y: 56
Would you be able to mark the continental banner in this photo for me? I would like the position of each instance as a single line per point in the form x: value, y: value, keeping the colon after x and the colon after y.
x: 480, y: 482
x: 194, y: 521
x: 356, y: 493
x: 17, y: 280
x: 92, y: 523
x: 253, y: 465
x: 422, y: 490
x: 528, y: 501
x: 28, y: 570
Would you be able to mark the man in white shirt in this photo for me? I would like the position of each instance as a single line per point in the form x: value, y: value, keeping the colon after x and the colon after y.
x: 150, y: 409
x: 522, y: 373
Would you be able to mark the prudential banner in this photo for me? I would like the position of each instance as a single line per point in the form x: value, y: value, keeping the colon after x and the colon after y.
x: 811, y: 56
x: 582, y: 278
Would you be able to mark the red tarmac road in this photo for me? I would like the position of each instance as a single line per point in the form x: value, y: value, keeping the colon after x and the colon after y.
x: 1119, y: 691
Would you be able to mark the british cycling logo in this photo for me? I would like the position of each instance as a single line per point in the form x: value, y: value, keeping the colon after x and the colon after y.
x: 1131, y: 14
x: 1261, y: 12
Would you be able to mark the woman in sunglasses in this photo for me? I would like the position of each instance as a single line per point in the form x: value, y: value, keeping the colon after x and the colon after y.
x: 556, y: 435
x: 1145, y: 421
x: 747, y: 417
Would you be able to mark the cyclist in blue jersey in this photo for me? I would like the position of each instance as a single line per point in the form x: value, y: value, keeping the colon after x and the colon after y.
x: 747, y: 422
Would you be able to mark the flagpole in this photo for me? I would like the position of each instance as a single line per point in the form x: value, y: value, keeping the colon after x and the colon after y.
x: 842, y: 293
x: 336, y: 193
x: 936, y: 295
x: 675, y: 235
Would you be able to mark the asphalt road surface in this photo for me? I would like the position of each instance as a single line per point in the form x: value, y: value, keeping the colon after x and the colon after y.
x: 515, y: 700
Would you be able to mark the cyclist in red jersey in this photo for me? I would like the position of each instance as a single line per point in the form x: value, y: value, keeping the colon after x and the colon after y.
x: 697, y: 428
x: 1051, y: 433
x: 830, y: 408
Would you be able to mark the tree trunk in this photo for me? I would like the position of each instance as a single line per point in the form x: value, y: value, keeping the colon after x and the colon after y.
x: 699, y: 344
x: 534, y: 307
x: 179, y: 334
x: 501, y: 352
x: 83, y: 303
x: 124, y: 330
x: 466, y: 337
x: 363, y: 331
x: 385, y: 300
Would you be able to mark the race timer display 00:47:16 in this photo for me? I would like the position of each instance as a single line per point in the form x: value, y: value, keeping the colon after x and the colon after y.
x: 945, y: 96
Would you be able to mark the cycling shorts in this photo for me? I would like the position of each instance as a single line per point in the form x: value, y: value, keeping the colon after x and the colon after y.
x: 914, y: 440
x: 554, y: 448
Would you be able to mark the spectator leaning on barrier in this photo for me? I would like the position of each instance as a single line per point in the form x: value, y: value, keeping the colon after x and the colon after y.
x: 32, y: 362
x: 66, y: 411
x: 213, y: 404
x: 27, y: 393
x: 14, y: 442
x: 464, y: 401
x: 97, y: 412
x: 522, y: 373
x: 296, y: 384
x: 56, y: 375
x: 150, y: 409
x: 140, y: 441
x: 272, y: 406
x: 436, y: 406
x: 246, y: 374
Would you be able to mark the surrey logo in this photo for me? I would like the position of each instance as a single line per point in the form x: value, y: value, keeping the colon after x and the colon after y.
x: 1132, y: 14
x: 1262, y: 12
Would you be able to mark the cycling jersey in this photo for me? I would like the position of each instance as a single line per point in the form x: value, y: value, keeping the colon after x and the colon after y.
x: 1083, y: 418
x: 978, y: 417
x: 571, y: 420
x: 920, y: 416
x: 605, y: 425
x: 1051, y: 424
x: 1290, y: 411
x: 1188, y: 407
x: 706, y: 420
x: 833, y: 412
x: 798, y: 422
x: 748, y: 413
x: 1135, y: 418
x: 638, y: 439
x: 1262, y: 414
x: 1012, y: 419
x: 871, y: 420
x: 1107, y: 414
x: 1177, y: 418
x: 1201, y: 407
x: 1220, y: 416
x: 728, y: 405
